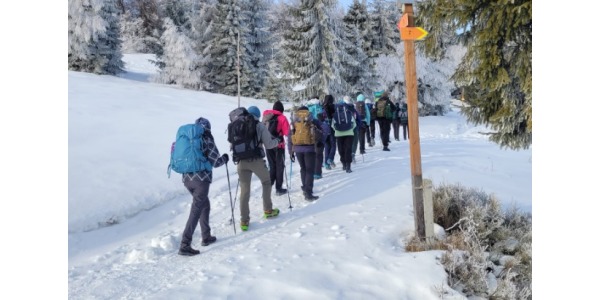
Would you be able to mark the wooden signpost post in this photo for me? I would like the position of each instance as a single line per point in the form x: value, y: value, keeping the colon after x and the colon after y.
x: 408, y: 34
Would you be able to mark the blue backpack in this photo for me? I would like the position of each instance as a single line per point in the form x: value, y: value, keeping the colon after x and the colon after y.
x: 316, y: 110
x: 186, y: 151
x: 342, y: 117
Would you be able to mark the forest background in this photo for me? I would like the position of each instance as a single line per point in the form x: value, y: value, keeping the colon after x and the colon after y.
x: 37, y: 95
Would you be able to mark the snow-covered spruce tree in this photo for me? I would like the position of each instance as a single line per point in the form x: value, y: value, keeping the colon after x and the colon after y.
x: 311, y: 52
x: 178, y: 11
x: 202, y: 33
x: 496, y: 69
x: 228, y: 23
x: 383, y: 28
x: 94, y: 37
x: 257, y: 45
x: 151, y: 22
x: 179, y: 60
x: 273, y: 89
x: 359, y: 70
x: 132, y: 34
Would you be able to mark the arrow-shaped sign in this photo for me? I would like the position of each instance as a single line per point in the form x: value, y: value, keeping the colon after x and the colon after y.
x: 412, y: 33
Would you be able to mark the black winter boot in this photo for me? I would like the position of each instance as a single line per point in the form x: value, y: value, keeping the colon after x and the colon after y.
x: 187, y: 250
x: 208, y: 241
x: 348, y: 170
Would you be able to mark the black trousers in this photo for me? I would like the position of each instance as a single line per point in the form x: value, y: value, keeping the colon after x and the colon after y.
x: 362, y: 132
x: 276, y: 160
x: 344, y: 145
x: 384, y: 127
x: 199, y: 212
x: 307, y: 161
x: 405, y: 131
x: 396, y: 126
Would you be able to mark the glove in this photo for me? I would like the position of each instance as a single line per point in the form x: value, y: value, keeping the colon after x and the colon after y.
x: 292, y: 157
x: 225, y: 157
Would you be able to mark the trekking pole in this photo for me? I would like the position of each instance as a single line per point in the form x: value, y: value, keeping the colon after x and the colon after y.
x: 287, y: 184
x: 235, y: 198
x: 230, y: 200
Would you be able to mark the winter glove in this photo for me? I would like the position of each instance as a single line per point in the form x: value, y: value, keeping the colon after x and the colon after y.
x: 225, y: 157
x: 292, y: 157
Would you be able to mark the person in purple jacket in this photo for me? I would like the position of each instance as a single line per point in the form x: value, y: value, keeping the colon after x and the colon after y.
x: 306, y: 155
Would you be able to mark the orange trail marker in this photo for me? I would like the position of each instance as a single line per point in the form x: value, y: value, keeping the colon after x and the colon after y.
x: 403, y: 22
x: 412, y: 33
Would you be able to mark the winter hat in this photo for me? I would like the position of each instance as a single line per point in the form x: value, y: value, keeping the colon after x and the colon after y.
x: 347, y: 99
x: 254, y: 111
x: 278, y: 106
x: 378, y: 94
x: 313, y: 101
x: 360, y: 98
x: 204, y: 123
x: 368, y: 101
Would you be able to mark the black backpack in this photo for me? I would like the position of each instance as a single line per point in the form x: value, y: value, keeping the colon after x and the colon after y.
x: 241, y: 133
x: 342, y: 118
x: 404, y: 117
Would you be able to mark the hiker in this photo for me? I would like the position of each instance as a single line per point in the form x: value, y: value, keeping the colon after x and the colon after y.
x: 330, y: 141
x: 343, y: 123
x: 256, y: 164
x: 384, y: 114
x: 315, y: 108
x: 304, y: 136
x: 358, y: 121
x: 363, y: 111
x: 276, y: 156
x: 396, y: 121
x: 404, y: 120
x: 370, y: 132
x: 198, y: 184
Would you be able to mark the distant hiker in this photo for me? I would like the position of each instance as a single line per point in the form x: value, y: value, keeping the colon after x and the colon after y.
x: 316, y: 109
x: 343, y: 124
x: 396, y: 121
x: 278, y: 126
x: 404, y: 120
x: 247, y: 136
x: 198, y: 183
x: 330, y: 141
x: 371, y: 129
x: 384, y: 114
x: 305, y: 134
x: 365, y: 117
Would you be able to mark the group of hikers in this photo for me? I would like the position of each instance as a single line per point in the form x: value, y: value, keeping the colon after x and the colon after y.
x: 311, y: 137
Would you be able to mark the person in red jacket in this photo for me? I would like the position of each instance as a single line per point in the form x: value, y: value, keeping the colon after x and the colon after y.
x: 276, y: 156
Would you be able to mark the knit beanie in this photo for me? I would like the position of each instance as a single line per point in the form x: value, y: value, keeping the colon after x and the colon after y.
x: 204, y: 123
x: 360, y: 98
x: 278, y: 106
x: 253, y: 110
x: 347, y: 99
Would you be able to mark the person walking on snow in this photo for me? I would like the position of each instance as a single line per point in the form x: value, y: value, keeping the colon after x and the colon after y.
x: 276, y: 156
x: 198, y: 184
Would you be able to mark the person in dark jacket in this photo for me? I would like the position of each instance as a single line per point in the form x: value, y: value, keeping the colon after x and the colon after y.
x: 396, y: 121
x: 330, y: 141
x: 198, y: 184
x: 385, y: 120
x: 306, y: 155
x: 276, y: 156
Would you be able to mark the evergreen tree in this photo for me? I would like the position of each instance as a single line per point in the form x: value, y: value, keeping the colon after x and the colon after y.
x: 273, y: 90
x: 202, y: 35
x: 94, y: 42
x: 227, y: 26
x: 151, y: 22
x: 359, y: 71
x: 257, y: 45
x: 132, y: 34
x: 496, y: 69
x: 178, y: 11
x: 383, y: 28
x: 181, y: 64
x: 312, y: 52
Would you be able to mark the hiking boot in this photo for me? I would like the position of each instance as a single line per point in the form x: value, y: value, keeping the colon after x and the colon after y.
x: 327, y: 166
x: 280, y: 192
x: 386, y: 148
x: 187, y: 250
x: 244, y: 225
x: 272, y: 213
x: 317, y: 176
x: 310, y: 197
x: 348, y: 170
x: 208, y: 241
x: 362, y: 152
x: 331, y: 163
x: 353, y: 159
